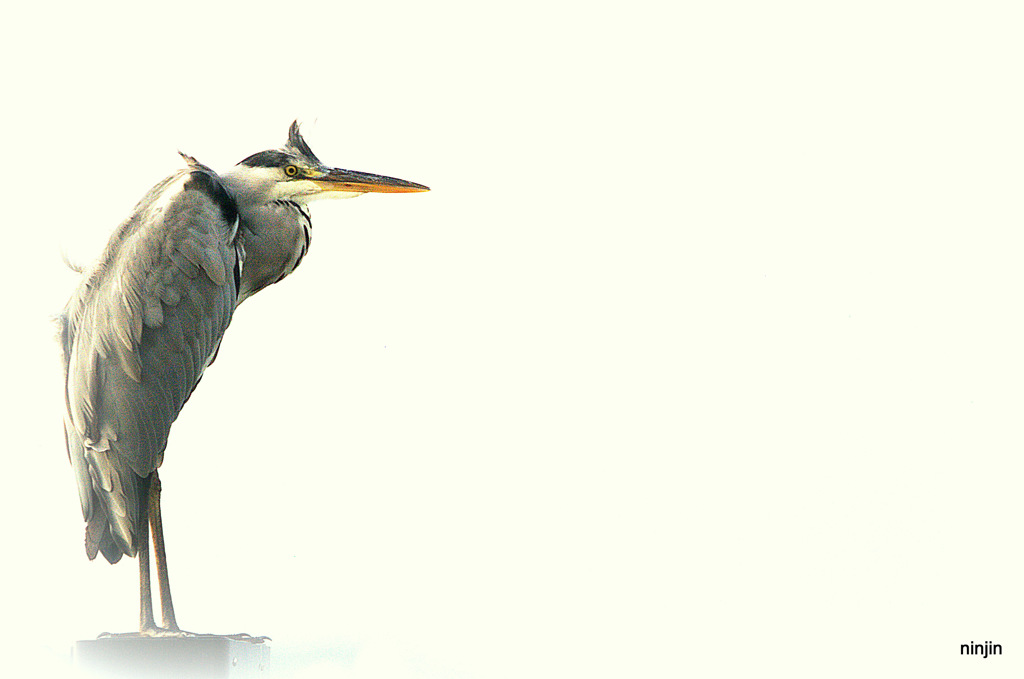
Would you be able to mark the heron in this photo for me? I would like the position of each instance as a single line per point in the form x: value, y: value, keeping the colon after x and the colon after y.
x: 148, y: 317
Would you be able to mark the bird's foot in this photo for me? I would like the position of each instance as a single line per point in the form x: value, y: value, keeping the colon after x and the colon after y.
x: 241, y: 636
x: 164, y: 632
x: 153, y: 631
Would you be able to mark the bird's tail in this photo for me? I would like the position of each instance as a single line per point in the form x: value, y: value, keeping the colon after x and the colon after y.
x: 113, y: 499
x: 118, y: 511
x: 98, y: 537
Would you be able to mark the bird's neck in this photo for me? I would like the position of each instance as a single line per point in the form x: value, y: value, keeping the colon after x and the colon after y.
x: 275, y: 237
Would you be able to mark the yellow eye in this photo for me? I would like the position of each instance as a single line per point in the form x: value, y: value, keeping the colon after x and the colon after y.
x: 291, y: 170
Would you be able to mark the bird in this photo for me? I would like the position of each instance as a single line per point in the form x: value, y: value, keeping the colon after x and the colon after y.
x: 147, y: 319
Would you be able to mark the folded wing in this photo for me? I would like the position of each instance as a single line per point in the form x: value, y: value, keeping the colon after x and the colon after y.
x: 144, y: 323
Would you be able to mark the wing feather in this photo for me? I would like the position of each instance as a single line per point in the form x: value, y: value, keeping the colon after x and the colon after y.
x: 136, y: 337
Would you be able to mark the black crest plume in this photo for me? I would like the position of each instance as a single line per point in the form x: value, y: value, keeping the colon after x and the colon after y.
x: 296, y: 141
x: 281, y: 158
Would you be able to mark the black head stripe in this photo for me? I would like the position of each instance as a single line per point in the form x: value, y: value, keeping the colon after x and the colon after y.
x: 267, y: 159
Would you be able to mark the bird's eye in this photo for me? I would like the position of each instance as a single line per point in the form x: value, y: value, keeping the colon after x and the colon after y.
x: 291, y: 170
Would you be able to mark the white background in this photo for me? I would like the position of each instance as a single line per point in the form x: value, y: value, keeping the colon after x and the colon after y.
x: 702, y: 357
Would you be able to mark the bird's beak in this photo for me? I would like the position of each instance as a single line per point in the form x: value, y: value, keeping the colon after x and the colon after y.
x: 351, y: 181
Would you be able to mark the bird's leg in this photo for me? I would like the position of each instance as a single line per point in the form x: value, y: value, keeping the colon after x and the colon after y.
x: 160, y: 554
x: 146, y: 622
x: 150, y: 519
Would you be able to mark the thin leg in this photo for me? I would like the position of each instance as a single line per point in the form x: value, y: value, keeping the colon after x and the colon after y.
x: 146, y: 622
x: 149, y: 517
x: 160, y: 555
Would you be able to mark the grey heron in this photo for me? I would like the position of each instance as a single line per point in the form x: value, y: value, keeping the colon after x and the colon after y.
x: 147, y: 319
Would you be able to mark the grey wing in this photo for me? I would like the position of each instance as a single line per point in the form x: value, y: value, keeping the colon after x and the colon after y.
x: 144, y: 324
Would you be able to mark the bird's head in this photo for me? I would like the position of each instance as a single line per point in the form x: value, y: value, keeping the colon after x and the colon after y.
x: 293, y: 172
